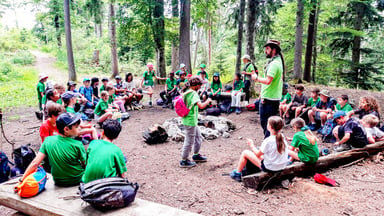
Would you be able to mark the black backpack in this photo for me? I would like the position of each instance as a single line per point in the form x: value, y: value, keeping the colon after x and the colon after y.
x: 109, y: 193
x: 23, y: 156
x: 4, y: 167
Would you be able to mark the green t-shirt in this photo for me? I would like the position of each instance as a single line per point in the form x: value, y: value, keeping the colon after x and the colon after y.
x: 65, y: 156
x: 102, y: 88
x: 286, y: 96
x: 312, y: 103
x: 190, y: 99
x: 59, y: 101
x: 100, y: 108
x: 249, y: 69
x: 104, y: 159
x: 148, y: 78
x: 70, y: 110
x: 345, y: 108
x: 308, y: 153
x: 40, y: 88
x: 216, y: 86
x: 206, y: 74
x: 274, y: 90
x: 44, y: 100
x: 111, y: 98
x: 237, y: 85
x: 170, y: 84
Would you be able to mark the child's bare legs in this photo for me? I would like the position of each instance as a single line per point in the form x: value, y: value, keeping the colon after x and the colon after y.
x: 298, y: 111
x: 245, y: 156
x: 293, y: 154
x: 91, y: 131
x: 120, y: 104
x: 323, y: 117
x: 106, y: 116
x: 281, y: 106
x: 311, y: 116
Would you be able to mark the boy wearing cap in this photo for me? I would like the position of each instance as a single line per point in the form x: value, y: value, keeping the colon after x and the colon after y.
x: 202, y: 69
x: 105, y: 159
x: 170, y: 90
x: 105, y: 81
x: 321, y: 110
x: 48, y: 128
x: 248, y: 70
x: 118, y: 85
x: 87, y: 92
x: 182, y: 68
x: 41, y: 89
x: 181, y: 82
x: 349, y: 132
x: 66, y: 155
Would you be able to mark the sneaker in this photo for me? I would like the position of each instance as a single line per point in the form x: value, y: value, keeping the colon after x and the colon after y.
x: 287, y: 120
x: 238, y: 110
x: 150, y: 104
x: 320, y: 130
x: 235, y: 175
x: 186, y: 164
x: 165, y: 105
x: 199, y: 158
x: 312, y: 126
x: 342, y: 147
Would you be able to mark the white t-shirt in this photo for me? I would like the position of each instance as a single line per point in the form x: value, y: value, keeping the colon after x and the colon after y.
x: 129, y: 85
x: 374, y: 132
x: 273, y: 160
x: 205, y: 85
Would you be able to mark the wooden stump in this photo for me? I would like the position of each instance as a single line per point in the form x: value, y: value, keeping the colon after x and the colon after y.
x: 259, y: 180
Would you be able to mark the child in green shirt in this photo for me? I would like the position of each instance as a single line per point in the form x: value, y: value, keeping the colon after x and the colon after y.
x: 304, y: 144
x: 237, y: 89
x: 192, y: 132
x: 216, y: 87
x: 40, y: 89
x: 102, y: 110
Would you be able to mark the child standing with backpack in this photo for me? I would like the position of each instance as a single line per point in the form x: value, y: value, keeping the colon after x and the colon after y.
x: 192, y: 132
x: 272, y: 155
x: 304, y: 144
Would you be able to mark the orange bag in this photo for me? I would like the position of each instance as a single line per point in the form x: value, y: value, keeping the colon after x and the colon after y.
x: 32, y: 184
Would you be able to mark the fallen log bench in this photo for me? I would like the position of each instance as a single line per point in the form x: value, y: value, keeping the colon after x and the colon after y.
x: 65, y: 201
x: 260, y: 180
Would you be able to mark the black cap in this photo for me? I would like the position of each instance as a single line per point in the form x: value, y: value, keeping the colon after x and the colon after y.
x: 69, y: 94
x: 71, y: 83
x: 104, y: 79
x: 67, y: 119
x: 118, y: 77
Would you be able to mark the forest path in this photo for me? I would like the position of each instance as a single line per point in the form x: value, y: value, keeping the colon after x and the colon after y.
x: 45, y: 64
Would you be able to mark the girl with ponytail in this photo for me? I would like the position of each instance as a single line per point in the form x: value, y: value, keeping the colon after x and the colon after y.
x: 272, y: 155
x: 304, y: 144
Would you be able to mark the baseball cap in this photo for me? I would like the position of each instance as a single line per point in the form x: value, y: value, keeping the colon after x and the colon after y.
x: 71, y: 83
x: 69, y: 94
x: 202, y: 66
x: 67, y: 119
x: 338, y: 114
x: 118, y: 77
x: 42, y: 76
x: 246, y: 57
x: 216, y: 74
x: 182, y: 65
x: 104, y: 79
x: 86, y: 79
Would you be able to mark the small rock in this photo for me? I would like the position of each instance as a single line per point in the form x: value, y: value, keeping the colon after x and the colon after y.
x: 226, y: 135
x: 240, y: 138
x: 238, y: 212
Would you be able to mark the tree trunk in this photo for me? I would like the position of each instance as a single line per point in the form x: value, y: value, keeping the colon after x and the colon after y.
x: 251, y: 20
x: 68, y: 39
x: 158, y: 29
x: 185, y: 22
x: 240, y: 35
x: 175, y: 46
x: 58, y: 33
x: 209, y: 41
x: 360, y: 7
x: 314, y: 63
x: 309, y: 48
x: 99, y: 30
x: 196, y: 47
x: 297, y: 73
x: 112, y: 35
x: 262, y: 179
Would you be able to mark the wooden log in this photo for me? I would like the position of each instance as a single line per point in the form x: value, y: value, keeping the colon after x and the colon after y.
x: 260, y: 180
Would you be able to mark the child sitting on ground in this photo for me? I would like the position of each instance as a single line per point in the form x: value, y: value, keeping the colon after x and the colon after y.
x: 133, y: 95
x: 117, y: 101
x: 367, y: 105
x: 105, y: 159
x: 304, y: 144
x: 203, y: 91
x: 237, y: 89
x: 349, y: 132
x: 181, y: 82
x: 170, y: 90
x: 285, y: 99
x: 87, y: 92
x: 105, y: 81
x: 102, y: 110
x: 296, y: 105
x: 273, y: 153
x: 369, y: 123
x: 342, y: 104
x: 216, y: 87
x: 321, y: 110
x: 48, y: 128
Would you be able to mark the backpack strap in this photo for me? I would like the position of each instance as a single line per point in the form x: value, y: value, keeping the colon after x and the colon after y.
x: 184, y: 94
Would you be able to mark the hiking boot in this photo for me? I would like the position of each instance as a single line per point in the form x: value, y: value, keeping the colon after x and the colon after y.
x: 238, y: 110
x: 199, y: 158
x: 312, y: 126
x: 186, y: 164
x: 235, y: 175
x: 342, y: 147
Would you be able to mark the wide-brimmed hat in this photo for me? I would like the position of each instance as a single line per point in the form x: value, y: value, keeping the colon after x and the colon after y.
x: 246, y: 57
x: 42, y: 76
x: 324, y: 92
x: 274, y: 43
x: 67, y: 119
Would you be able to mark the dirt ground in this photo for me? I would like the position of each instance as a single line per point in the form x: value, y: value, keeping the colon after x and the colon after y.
x: 204, y: 189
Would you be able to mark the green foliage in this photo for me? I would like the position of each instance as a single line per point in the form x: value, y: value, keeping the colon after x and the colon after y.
x: 23, y: 58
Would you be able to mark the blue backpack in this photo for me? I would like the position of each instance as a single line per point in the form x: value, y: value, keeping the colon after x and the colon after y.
x: 4, y: 167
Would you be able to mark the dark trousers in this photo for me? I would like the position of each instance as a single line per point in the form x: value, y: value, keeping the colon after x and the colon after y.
x: 247, y: 85
x: 167, y: 98
x: 267, y: 109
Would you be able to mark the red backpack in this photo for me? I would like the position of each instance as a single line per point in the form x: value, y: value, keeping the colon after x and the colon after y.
x: 181, y: 109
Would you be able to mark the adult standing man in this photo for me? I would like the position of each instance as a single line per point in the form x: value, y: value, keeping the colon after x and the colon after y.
x: 248, y: 71
x: 271, y: 83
